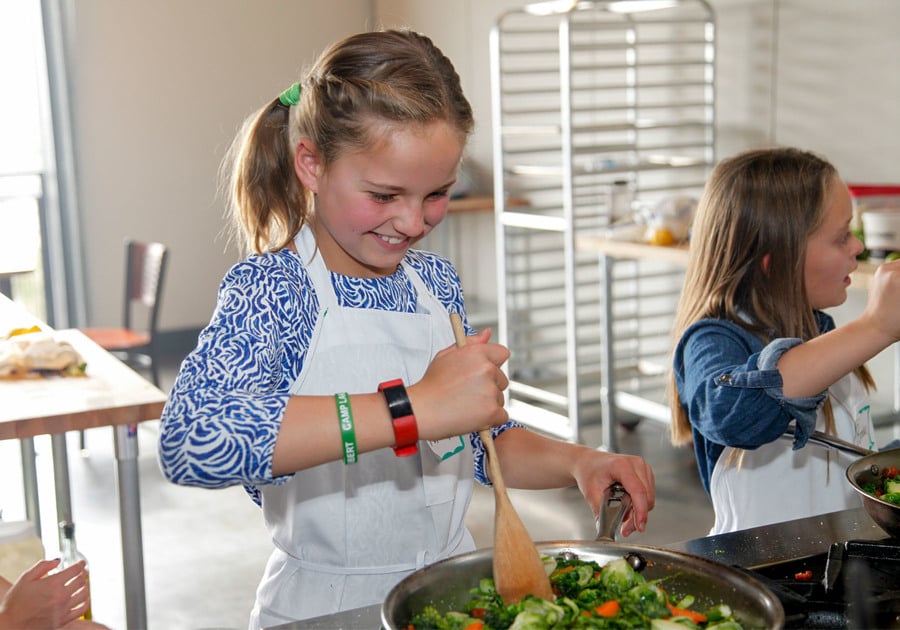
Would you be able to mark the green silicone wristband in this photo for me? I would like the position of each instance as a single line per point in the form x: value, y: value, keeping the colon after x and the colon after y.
x: 348, y: 434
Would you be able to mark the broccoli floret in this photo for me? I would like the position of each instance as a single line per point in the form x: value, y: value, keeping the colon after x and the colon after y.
x: 499, y: 617
x: 590, y: 597
x: 648, y: 599
x: 570, y: 581
x: 428, y: 619
x: 431, y: 619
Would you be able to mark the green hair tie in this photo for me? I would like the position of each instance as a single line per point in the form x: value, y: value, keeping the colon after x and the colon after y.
x: 290, y: 96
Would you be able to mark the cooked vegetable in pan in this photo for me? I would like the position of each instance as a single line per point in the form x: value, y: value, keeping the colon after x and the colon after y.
x: 587, y: 596
x: 887, y: 486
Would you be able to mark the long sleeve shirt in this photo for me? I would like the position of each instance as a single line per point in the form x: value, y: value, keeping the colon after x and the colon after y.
x: 223, y: 415
x: 728, y: 382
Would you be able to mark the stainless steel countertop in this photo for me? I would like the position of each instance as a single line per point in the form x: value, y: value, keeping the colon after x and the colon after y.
x: 750, y: 548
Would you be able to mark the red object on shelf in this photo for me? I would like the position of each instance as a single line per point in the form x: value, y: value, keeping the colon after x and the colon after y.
x: 875, y: 196
x: 870, y: 190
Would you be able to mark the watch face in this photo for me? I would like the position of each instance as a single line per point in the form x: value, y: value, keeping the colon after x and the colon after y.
x: 397, y: 400
x: 406, y: 431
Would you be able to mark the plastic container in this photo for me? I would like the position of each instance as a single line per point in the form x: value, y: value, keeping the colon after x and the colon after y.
x: 881, y: 229
x: 875, y: 196
x: 877, y: 211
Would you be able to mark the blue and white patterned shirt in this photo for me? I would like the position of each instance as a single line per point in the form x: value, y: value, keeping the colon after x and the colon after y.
x: 225, y: 409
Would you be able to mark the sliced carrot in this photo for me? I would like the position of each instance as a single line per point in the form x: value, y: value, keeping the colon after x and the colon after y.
x: 684, y: 612
x: 561, y: 571
x: 475, y: 625
x: 608, y: 609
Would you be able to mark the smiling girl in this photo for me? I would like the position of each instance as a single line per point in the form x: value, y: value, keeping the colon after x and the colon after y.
x: 771, y: 247
x: 328, y: 382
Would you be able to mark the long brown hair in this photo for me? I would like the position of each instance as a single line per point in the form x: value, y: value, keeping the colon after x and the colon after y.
x: 763, y: 203
x: 395, y: 76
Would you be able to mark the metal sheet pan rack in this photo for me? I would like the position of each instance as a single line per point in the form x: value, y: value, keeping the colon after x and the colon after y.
x: 590, y: 99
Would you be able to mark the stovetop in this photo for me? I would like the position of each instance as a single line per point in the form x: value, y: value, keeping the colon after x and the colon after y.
x: 855, y: 584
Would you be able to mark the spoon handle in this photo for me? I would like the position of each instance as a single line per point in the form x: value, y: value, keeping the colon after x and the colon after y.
x: 459, y: 333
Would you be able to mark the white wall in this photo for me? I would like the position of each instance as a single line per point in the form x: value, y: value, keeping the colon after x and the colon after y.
x: 161, y: 86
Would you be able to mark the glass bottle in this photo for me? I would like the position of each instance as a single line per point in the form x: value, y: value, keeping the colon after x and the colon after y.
x: 621, y: 198
x: 71, y: 555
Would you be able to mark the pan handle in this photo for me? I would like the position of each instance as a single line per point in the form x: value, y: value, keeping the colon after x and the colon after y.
x: 616, y: 502
x: 823, y: 439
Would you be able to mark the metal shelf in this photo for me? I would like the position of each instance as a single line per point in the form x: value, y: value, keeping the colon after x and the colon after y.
x: 583, y: 97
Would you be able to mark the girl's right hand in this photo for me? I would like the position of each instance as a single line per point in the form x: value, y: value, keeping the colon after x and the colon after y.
x: 462, y: 390
x: 883, y: 306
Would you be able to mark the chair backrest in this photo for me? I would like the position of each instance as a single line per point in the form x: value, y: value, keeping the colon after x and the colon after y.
x: 145, y: 271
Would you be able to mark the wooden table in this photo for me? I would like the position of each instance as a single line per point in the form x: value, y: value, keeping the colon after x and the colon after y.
x: 609, y: 251
x: 110, y: 394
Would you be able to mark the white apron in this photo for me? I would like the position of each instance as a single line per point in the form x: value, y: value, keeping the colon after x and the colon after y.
x: 345, y: 534
x: 775, y: 483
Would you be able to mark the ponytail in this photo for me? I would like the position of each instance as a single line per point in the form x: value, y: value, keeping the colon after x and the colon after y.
x: 264, y: 194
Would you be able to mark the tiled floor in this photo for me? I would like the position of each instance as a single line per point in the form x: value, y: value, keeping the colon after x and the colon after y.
x: 204, y: 550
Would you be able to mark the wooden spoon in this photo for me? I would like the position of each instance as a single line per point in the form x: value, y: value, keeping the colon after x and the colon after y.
x: 518, y: 569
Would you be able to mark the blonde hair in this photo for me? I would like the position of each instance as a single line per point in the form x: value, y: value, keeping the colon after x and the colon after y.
x: 763, y: 203
x: 393, y: 76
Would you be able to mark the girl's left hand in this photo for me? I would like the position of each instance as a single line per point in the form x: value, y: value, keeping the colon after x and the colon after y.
x: 595, y: 471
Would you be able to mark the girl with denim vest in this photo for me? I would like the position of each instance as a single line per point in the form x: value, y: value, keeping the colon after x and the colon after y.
x: 328, y: 382
x: 757, y: 356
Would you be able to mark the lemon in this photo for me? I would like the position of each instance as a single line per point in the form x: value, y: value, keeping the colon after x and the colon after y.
x: 662, y: 236
x: 23, y: 331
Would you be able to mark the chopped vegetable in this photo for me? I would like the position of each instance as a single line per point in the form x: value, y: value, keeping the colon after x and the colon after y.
x: 886, y: 487
x: 587, y: 596
x: 686, y: 612
x: 607, y: 609
x: 804, y: 576
x: 22, y: 331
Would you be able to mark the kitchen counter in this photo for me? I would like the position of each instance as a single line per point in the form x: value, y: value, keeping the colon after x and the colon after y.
x: 750, y: 548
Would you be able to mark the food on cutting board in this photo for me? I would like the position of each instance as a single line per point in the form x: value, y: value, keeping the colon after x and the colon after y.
x: 29, y: 353
x: 23, y: 331
x: 587, y: 596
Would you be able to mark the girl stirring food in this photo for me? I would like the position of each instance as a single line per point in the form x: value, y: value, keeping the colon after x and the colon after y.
x: 328, y: 382
x: 771, y: 247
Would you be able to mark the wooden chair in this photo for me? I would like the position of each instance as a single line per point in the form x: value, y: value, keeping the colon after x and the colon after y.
x: 135, y: 341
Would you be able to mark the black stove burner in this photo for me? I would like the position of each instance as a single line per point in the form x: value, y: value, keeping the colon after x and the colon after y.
x: 856, y: 585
